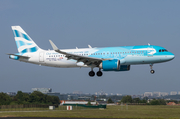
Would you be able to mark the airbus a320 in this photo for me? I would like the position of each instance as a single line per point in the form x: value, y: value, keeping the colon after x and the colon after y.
x: 106, y: 58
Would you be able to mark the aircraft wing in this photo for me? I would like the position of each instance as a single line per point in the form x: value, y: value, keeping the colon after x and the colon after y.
x: 79, y: 58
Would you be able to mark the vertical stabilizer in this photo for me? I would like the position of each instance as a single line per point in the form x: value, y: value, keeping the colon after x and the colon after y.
x: 24, y: 43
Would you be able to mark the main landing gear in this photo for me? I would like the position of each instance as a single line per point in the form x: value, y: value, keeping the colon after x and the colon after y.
x: 152, y: 71
x: 92, y: 73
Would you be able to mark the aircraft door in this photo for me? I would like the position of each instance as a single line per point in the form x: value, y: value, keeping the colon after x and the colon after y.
x: 41, y: 57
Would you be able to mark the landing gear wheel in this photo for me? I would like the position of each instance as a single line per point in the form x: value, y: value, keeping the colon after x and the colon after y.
x: 152, y: 71
x: 91, y: 73
x: 99, y: 73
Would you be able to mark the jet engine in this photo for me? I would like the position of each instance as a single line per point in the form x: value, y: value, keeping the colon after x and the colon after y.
x: 113, y: 65
x: 110, y: 65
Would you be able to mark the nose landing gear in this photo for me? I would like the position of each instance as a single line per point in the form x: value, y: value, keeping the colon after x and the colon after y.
x: 152, y: 71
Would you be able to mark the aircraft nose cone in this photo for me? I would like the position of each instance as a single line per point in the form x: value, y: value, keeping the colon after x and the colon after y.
x: 171, y: 57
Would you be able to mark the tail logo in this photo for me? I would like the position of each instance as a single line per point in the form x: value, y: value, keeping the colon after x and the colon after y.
x: 24, y: 43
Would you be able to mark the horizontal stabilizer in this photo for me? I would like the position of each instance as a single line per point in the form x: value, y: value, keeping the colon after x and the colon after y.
x: 18, y: 55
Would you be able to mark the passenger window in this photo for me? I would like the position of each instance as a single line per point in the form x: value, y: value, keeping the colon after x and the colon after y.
x: 159, y: 50
x: 163, y: 50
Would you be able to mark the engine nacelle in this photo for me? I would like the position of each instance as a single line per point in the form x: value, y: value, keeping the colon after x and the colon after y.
x: 110, y: 65
x: 13, y: 57
x: 124, y: 68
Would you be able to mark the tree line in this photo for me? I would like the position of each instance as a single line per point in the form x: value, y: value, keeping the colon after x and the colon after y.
x: 129, y: 99
x: 23, y: 98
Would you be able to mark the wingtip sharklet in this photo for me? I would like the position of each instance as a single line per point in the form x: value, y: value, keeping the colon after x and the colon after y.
x: 53, y: 46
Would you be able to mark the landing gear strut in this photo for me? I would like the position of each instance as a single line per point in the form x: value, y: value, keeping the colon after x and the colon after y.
x: 152, y: 71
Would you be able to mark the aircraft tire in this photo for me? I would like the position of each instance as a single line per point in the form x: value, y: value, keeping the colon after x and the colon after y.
x: 152, y: 71
x: 91, y: 73
x: 99, y: 73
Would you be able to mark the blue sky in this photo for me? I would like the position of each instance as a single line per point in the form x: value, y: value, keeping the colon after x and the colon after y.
x: 102, y: 23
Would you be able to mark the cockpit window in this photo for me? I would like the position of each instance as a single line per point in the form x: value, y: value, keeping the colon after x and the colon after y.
x: 163, y: 50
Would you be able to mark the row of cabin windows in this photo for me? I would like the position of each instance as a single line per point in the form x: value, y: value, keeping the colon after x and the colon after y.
x: 163, y: 50
x: 99, y: 53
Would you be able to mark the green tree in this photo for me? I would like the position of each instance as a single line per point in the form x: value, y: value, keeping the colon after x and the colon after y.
x: 143, y: 101
x: 154, y: 102
x: 89, y: 103
x: 136, y: 100
x: 162, y: 102
x: 37, y: 98
x: 55, y: 100
x: 126, y: 99
x: 110, y: 100
x: 5, y: 99
x: 157, y: 102
x: 21, y: 98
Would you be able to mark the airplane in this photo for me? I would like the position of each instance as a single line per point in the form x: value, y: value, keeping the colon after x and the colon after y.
x: 105, y: 58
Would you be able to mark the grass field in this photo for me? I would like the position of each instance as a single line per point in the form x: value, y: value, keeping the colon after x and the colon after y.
x: 135, y: 111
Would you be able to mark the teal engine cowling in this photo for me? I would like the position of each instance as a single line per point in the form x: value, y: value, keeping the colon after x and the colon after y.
x: 113, y: 65
x: 13, y: 57
x: 110, y: 65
